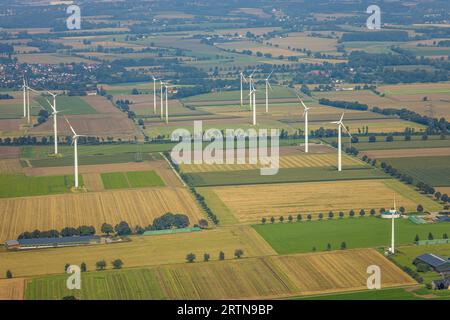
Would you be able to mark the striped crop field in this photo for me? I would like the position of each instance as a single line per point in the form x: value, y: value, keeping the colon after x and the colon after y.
x: 250, y: 203
x: 294, y: 161
x: 137, y: 207
x: 252, y: 278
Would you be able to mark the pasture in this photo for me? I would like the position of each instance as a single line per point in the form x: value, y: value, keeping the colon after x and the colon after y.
x: 253, y: 278
x: 251, y: 203
x: 137, y: 207
x: 433, y: 170
x: 131, y: 179
x: 366, y: 232
x: 69, y: 105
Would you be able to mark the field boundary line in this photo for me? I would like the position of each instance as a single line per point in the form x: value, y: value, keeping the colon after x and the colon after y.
x: 173, y: 169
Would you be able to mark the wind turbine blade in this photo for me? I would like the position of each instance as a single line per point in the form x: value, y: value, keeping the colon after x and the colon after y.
x: 51, y: 106
x: 268, y: 83
x: 345, y: 128
x: 269, y: 75
x: 70, y: 126
x: 342, y: 117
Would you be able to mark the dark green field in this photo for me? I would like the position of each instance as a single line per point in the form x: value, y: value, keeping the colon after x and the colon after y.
x: 364, y: 232
x: 133, y: 179
x: 431, y: 170
x: 240, y: 177
x: 70, y: 105
x: 400, y: 143
x: 22, y: 186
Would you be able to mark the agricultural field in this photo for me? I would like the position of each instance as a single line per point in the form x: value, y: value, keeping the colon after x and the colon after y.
x: 253, y: 278
x: 70, y: 105
x: 407, y: 153
x: 366, y: 232
x: 141, y: 251
x: 137, y: 207
x: 433, y: 170
x: 12, y: 289
x: 250, y: 203
x: 131, y: 179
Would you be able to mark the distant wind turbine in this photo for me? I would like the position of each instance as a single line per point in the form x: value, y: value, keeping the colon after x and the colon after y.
x: 267, y: 91
x: 253, y: 102
x: 25, y: 90
x: 161, y: 84
x: 55, y: 120
x: 167, y: 103
x: 305, y: 115
x: 340, y: 126
x: 154, y: 94
x: 75, y: 144
x: 243, y: 79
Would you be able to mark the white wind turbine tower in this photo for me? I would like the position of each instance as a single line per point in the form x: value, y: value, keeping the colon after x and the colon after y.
x: 167, y: 103
x: 393, y: 214
x: 25, y: 91
x: 161, y: 84
x: 340, y: 126
x: 267, y: 91
x: 253, y: 102
x: 251, y: 87
x: 75, y: 144
x: 154, y: 94
x: 243, y: 79
x: 305, y: 115
x: 55, y: 121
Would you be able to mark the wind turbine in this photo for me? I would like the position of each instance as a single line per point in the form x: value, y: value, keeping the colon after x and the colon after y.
x: 55, y: 124
x: 251, y: 87
x: 305, y: 115
x: 243, y: 79
x: 25, y: 90
x: 154, y: 94
x: 167, y: 103
x: 75, y: 144
x: 161, y: 84
x: 340, y: 126
x: 267, y: 91
x: 253, y: 102
x: 392, y: 249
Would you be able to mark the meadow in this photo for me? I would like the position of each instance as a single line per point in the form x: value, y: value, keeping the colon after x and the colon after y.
x: 250, y: 203
x: 432, y: 170
x: 287, y: 238
x: 137, y: 207
x: 252, y: 278
x: 69, y: 105
x: 139, y: 252
x: 398, y: 143
x: 132, y: 179
x: 23, y: 186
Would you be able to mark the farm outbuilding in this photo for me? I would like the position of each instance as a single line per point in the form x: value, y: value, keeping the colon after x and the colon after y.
x: 50, y: 242
x: 438, y: 263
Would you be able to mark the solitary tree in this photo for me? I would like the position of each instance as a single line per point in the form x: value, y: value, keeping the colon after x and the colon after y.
x: 290, y: 218
x: 83, y: 267
x: 430, y: 236
x: 100, y: 265
x: 330, y: 215
x: 206, y: 257
x: 107, y: 228
x: 320, y: 216
x: 328, y: 247
x: 117, y: 264
x: 343, y: 245
x: 417, y: 238
x: 309, y: 217
x: 272, y: 220
x: 372, y: 212
x: 437, y: 195
x: 351, y: 213
x: 402, y: 210
x: 281, y: 219
x: 190, y: 257
x: 362, y: 212
x: 314, y: 249
x: 445, y: 236
x: 299, y: 217
x: 9, y: 274
x: 238, y: 253
x: 341, y: 214
x: 221, y: 255
x: 263, y: 220
x: 419, y: 208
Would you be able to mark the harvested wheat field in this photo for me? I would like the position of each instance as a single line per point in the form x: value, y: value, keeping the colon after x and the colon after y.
x: 293, y: 161
x: 9, y: 152
x: 93, y: 182
x: 406, y: 153
x: 101, y: 104
x: 137, y: 207
x: 12, y: 289
x: 253, y: 278
x: 140, y: 251
x: 250, y: 203
x: 10, y: 166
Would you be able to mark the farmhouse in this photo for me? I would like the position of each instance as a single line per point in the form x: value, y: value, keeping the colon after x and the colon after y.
x: 441, y: 284
x: 437, y: 263
x: 39, y: 243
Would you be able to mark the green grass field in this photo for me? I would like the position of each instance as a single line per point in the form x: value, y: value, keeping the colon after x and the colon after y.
x: 364, y: 232
x: 434, y: 171
x: 70, y: 105
x: 398, y: 143
x: 240, y: 177
x: 22, y: 186
x: 132, y: 179
x: 111, y: 285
